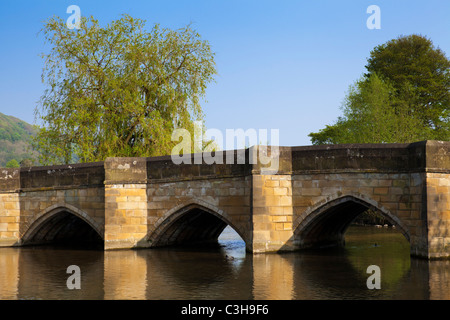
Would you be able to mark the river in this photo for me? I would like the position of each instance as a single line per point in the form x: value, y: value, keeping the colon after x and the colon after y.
x: 227, y: 272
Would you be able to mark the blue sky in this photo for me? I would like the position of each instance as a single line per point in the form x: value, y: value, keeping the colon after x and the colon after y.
x: 282, y: 65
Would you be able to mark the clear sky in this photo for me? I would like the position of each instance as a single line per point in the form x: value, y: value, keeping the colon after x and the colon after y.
x: 282, y: 64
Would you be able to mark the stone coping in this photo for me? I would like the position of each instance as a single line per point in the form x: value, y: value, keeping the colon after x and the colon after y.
x: 423, y: 156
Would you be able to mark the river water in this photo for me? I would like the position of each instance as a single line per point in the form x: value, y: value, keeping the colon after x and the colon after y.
x: 227, y: 272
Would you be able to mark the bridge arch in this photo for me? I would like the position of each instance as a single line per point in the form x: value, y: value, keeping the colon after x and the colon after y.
x: 325, y: 223
x: 195, y: 221
x: 63, y: 223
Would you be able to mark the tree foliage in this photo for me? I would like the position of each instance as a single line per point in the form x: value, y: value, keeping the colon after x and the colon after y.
x: 15, y: 139
x: 12, y: 164
x: 404, y: 97
x: 119, y: 90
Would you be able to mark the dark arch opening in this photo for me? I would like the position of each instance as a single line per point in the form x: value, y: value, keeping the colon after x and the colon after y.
x: 191, y: 227
x: 328, y: 224
x: 65, y: 229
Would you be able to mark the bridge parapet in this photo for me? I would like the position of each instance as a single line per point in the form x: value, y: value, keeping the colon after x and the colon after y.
x: 9, y: 179
x: 62, y: 176
x: 360, y: 157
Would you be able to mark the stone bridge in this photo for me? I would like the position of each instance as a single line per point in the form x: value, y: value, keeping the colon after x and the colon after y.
x: 308, y: 202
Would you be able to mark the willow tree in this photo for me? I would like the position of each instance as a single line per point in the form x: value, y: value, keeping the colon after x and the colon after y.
x: 119, y: 90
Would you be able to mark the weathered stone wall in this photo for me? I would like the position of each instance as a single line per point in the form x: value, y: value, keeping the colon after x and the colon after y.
x: 191, y: 202
x: 9, y: 206
x: 310, y: 199
x: 398, y: 196
x: 227, y: 198
x: 333, y: 184
x: 9, y: 219
x: 39, y: 206
x: 145, y: 196
x: 126, y: 202
x: 125, y: 215
x: 437, y: 202
x: 30, y: 197
x: 272, y: 212
x: 438, y: 214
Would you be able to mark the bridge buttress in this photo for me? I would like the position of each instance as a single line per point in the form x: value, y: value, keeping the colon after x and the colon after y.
x: 125, y: 203
x: 272, y: 213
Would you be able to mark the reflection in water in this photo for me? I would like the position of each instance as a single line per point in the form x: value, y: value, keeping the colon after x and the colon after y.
x: 341, y: 273
x: 43, y: 273
x: 9, y: 274
x: 125, y: 275
x: 185, y: 274
x: 226, y: 271
x: 439, y: 280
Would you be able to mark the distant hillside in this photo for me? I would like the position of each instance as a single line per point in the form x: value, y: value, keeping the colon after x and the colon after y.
x: 15, y: 139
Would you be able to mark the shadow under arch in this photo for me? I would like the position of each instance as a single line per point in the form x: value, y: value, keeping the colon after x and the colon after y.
x: 63, y: 224
x: 194, y: 222
x: 325, y: 224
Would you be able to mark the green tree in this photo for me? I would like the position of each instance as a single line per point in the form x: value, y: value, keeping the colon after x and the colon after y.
x: 119, y: 90
x: 371, y: 114
x: 404, y: 97
x: 420, y: 74
x: 12, y: 164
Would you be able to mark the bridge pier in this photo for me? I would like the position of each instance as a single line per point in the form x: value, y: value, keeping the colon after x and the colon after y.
x: 125, y: 203
x: 437, y: 214
x: 309, y: 200
x: 273, y: 213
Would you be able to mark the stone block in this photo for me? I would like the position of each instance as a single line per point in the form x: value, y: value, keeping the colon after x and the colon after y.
x: 280, y: 191
x: 311, y: 191
x: 385, y: 183
x: 287, y: 226
x: 302, y: 201
x: 272, y: 183
x: 13, y: 227
x: 286, y: 201
x: 278, y: 218
x: 11, y: 205
x: 381, y: 190
x: 237, y: 191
